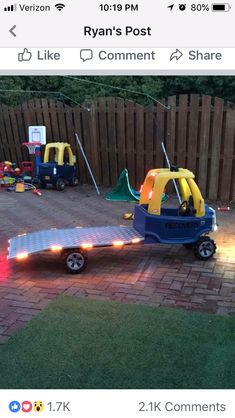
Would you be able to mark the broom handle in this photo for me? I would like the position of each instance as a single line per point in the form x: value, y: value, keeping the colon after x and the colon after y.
x: 87, y: 163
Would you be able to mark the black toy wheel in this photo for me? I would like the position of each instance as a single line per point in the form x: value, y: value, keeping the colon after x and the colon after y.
x: 74, y: 181
x: 60, y: 184
x: 75, y: 260
x: 204, y: 248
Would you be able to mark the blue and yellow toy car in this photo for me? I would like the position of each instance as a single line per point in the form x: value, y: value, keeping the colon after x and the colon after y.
x: 189, y: 224
x: 59, y: 166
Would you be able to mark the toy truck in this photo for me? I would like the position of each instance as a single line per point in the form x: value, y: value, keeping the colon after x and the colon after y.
x: 189, y: 225
x: 59, y: 166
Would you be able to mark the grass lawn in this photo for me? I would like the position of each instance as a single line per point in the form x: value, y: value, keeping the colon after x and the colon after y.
x: 82, y: 343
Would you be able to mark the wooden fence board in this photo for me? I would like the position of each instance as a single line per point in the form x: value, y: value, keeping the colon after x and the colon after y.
x: 226, y: 175
x: 160, y: 133
x: 87, y: 137
x: 54, y: 121
x: 15, y: 133
x: 216, y: 148
x: 10, y: 143
x: 5, y: 144
x: 182, y: 130
x: 148, y: 145
x: 111, y: 104
x: 139, y: 145
x: 46, y: 119
x: 204, y: 143
x: 130, y: 140
x: 38, y: 111
x: 121, y: 135
x: 103, y: 131
x: 193, y: 132
x: 95, y: 154
x: 77, y: 120
x: 61, y: 121
x: 171, y: 126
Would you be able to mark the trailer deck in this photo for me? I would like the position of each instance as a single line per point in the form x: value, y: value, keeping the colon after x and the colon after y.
x: 59, y: 239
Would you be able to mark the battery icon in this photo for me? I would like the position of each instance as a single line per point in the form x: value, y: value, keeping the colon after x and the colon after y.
x: 221, y: 7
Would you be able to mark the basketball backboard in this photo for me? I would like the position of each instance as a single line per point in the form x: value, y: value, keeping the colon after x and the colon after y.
x: 37, y: 134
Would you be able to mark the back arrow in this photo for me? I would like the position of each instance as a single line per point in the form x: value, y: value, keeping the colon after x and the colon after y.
x: 12, y: 30
x: 171, y: 6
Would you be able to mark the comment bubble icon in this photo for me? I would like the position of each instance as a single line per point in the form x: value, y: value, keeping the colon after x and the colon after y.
x: 86, y: 54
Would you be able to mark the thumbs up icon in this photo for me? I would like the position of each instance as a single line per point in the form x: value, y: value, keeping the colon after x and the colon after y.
x: 26, y: 55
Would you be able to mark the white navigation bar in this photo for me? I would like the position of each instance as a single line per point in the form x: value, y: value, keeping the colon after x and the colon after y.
x: 105, y: 59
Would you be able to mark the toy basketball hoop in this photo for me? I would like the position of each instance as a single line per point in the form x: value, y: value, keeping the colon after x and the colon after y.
x: 32, y: 147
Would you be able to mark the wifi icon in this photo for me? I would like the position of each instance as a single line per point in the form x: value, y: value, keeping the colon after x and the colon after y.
x: 60, y: 6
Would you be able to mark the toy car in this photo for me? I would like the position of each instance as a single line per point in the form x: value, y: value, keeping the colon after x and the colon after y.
x: 189, y: 225
x: 59, y: 166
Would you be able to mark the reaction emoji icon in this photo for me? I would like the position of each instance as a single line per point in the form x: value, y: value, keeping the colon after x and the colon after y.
x: 14, y: 406
x: 26, y: 406
x: 38, y: 406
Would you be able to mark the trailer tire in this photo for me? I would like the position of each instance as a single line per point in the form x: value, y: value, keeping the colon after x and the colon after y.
x: 204, y: 248
x: 75, y: 260
x: 60, y: 185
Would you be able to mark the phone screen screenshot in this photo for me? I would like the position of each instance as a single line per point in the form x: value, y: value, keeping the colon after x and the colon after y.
x: 117, y: 208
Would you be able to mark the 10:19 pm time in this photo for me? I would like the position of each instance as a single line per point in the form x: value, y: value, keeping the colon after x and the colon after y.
x: 117, y: 7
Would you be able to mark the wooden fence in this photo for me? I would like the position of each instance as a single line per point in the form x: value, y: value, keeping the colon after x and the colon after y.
x: 199, y: 134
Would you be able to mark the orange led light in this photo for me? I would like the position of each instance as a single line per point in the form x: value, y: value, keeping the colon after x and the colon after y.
x: 22, y: 256
x: 56, y: 248
x: 118, y: 243
x: 86, y: 246
x: 135, y: 240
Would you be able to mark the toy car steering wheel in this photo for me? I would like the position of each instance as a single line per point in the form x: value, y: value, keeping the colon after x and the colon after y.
x: 183, y: 208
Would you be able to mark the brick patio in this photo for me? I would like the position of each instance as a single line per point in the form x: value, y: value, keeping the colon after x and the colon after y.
x: 155, y: 275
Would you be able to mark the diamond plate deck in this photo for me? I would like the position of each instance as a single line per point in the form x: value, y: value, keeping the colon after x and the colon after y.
x: 36, y: 242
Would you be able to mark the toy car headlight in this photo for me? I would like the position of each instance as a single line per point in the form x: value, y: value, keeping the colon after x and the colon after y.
x: 54, y: 171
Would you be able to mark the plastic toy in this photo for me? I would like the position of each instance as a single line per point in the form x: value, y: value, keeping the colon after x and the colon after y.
x: 34, y: 149
x: 27, y: 168
x: 8, y: 174
x: 20, y: 187
x: 123, y: 192
x: 189, y: 225
x: 58, y: 169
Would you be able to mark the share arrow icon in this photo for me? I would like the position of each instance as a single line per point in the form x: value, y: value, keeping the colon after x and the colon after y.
x: 171, y: 7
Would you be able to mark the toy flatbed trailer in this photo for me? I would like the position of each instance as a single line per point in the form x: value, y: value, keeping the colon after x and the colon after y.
x: 73, y: 243
x: 189, y: 225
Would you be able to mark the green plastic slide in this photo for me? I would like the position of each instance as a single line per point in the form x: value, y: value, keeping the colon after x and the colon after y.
x: 123, y: 192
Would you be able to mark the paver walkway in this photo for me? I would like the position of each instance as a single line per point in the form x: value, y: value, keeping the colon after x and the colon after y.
x: 156, y: 275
